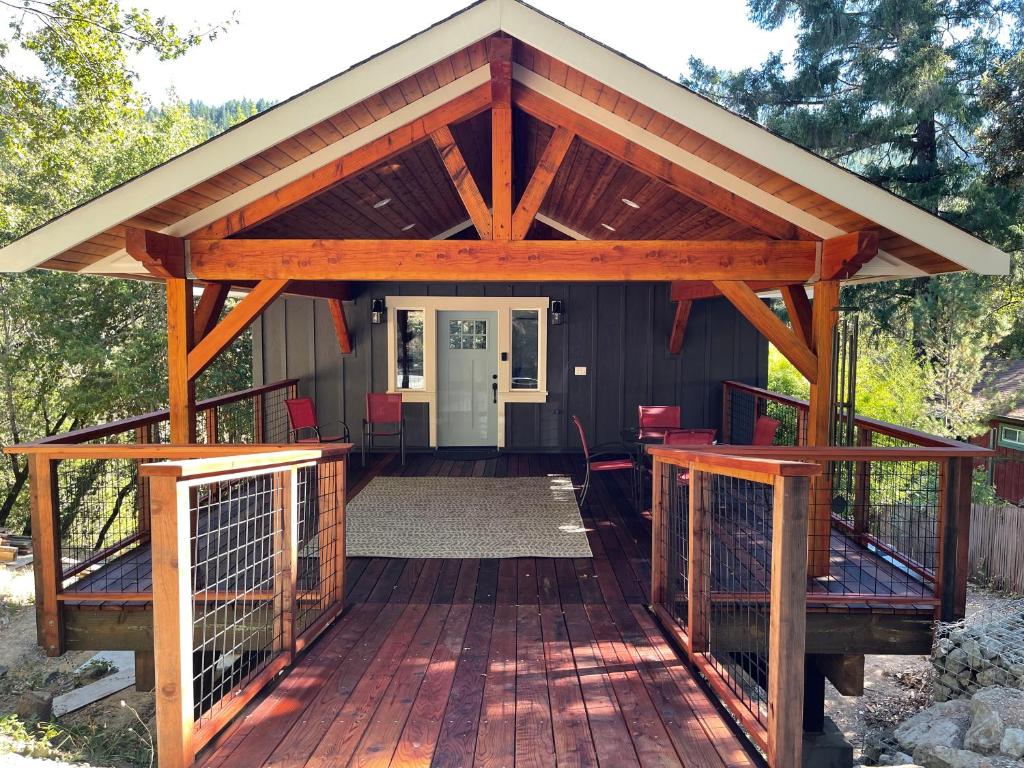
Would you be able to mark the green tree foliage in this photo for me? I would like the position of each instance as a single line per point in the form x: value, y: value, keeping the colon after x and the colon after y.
x: 80, y: 350
x: 909, y: 94
x: 221, y: 117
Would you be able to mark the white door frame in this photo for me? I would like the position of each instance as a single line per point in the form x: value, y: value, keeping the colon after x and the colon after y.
x: 503, y: 305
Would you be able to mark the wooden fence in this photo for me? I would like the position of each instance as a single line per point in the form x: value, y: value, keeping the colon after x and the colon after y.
x: 997, y: 546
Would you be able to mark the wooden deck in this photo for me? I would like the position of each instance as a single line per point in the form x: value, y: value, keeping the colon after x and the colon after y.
x: 493, y: 662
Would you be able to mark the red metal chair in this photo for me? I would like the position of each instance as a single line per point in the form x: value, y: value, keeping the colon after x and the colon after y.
x: 302, y: 415
x: 765, y: 429
x: 656, y: 419
x: 688, y: 437
x: 621, y: 461
x: 382, y: 408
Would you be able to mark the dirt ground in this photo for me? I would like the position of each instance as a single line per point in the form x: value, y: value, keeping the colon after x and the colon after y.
x: 895, y: 687
x: 86, y: 734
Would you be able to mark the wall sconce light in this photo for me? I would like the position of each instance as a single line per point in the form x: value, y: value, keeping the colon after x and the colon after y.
x: 377, y: 311
x: 557, y: 313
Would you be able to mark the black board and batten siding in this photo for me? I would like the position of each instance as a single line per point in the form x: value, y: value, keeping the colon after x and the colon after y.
x: 618, y: 331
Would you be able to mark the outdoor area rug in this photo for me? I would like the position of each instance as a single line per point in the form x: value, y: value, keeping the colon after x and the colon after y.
x: 466, y: 517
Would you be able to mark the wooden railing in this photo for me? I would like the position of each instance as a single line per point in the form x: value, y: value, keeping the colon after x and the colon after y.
x: 729, y: 559
x: 90, y: 508
x: 248, y: 568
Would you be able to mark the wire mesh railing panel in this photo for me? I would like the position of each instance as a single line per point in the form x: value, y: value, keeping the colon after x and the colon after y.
x: 735, y: 565
x: 675, y: 495
x: 274, y: 416
x: 884, y: 539
x: 100, y: 505
x: 321, y: 543
x: 743, y: 407
x: 792, y: 422
x: 236, y: 422
x: 238, y: 559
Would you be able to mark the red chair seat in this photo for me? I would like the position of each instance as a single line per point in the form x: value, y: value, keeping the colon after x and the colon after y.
x: 610, y: 464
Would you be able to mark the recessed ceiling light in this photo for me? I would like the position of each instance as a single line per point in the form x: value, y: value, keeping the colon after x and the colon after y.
x: 630, y: 203
x: 609, y: 227
x: 407, y: 227
x: 390, y: 167
x: 382, y: 203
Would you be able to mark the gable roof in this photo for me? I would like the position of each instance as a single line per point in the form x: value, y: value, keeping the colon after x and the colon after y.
x: 448, y: 61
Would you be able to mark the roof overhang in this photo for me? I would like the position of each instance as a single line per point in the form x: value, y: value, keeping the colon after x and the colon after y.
x: 549, y: 36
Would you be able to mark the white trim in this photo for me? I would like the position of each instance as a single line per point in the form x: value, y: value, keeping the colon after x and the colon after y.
x: 503, y: 305
x: 750, y: 140
x: 256, y: 135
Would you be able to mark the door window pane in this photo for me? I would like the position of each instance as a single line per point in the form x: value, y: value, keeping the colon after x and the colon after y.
x: 409, y: 349
x: 467, y: 334
x: 525, y: 350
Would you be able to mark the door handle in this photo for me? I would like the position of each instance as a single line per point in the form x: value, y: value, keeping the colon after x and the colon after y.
x: 494, y: 389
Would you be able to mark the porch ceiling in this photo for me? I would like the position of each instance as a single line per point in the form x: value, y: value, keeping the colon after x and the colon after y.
x: 730, y: 160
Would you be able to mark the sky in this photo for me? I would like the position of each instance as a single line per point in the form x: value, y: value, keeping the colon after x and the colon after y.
x: 279, y: 49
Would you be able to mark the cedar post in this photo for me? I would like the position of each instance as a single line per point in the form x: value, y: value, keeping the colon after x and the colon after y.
x: 172, y: 620
x: 46, y: 548
x: 787, y: 621
x: 954, y: 534
x: 826, y: 301
x: 331, y: 528
x: 211, y: 425
x: 181, y: 388
x: 659, y: 567
x: 862, y: 489
x: 697, y: 593
x: 286, y: 556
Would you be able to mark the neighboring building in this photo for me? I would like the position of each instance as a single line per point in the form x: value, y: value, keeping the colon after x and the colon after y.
x: 1005, y: 435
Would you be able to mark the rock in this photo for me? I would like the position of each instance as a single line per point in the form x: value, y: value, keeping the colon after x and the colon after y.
x: 34, y: 705
x: 938, y: 756
x: 990, y: 647
x: 940, y: 693
x: 956, y: 661
x: 991, y: 676
x: 972, y: 648
x: 1012, y: 743
x: 942, y: 647
x: 3, y: 671
x: 943, y: 724
x: 992, y: 711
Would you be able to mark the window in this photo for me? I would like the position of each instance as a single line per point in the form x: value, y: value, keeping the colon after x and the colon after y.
x: 1011, y: 437
x: 409, y: 349
x: 525, y: 349
x: 467, y: 334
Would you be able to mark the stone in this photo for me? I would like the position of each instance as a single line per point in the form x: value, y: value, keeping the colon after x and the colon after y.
x: 3, y: 671
x: 992, y: 711
x: 938, y: 756
x: 990, y: 647
x: 1012, y: 743
x: 940, y: 693
x: 943, y: 724
x: 34, y: 705
x: 956, y: 661
x: 972, y: 648
x: 942, y: 647
x: 991, y: 676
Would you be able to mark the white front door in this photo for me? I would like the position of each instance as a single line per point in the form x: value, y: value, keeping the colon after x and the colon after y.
x: 467, y: 378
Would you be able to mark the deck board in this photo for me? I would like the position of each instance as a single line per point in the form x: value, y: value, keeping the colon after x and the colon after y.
x: 527, y: 662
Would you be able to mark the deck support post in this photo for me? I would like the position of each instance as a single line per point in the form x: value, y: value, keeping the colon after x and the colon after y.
x: 181, y: 387
x: 823, y: 323
x: 46, y: 548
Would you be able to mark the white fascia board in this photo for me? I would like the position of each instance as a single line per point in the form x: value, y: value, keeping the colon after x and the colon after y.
x: 253, y: 136
x: 750, y: 140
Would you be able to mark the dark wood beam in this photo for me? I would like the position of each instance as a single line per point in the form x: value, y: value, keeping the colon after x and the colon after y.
x: 340, y: 325
x: 236, y: 321
x: 162, y: 255
x: 486, y: 260
x: 768, y: 323
x: 501, y: 137
x: 540, y: 182
x: 644, y: 160
x: 844, y: 671
x: 843, y: 256
x: 468, y: 191
x: 211, y: 304
x: 799, y: 308
x: 675, y: 342
x: 357, y: 161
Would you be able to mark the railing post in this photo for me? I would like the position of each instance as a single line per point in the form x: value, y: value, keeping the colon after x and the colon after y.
x: 726, y: 413
x: 862, y: 488
x: 45, y: 507
x: 257, y: 419
x: 697, y: 593
x: 286, y: 549
x: 787, y: 622
x: 659, y: 566
x: 211, y: 425
x: 954, y: 534
x: 172, y: 620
